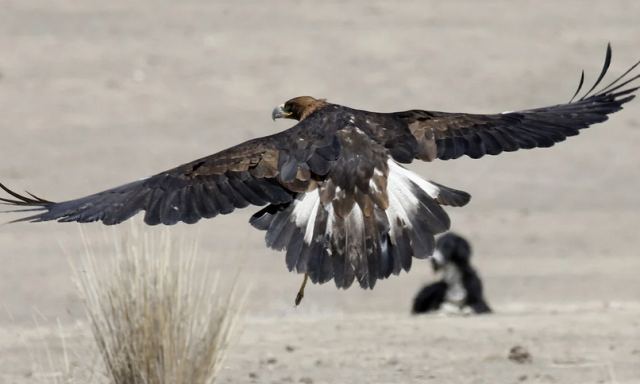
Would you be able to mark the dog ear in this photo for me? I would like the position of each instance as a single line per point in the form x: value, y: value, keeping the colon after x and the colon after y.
x: 454, y: 248
x: 463, y: 249
x: 447, y: 244
x: 459, y: 250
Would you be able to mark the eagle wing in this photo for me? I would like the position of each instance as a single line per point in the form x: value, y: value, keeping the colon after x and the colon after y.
x: 267, y: 170
x: 441, y: 135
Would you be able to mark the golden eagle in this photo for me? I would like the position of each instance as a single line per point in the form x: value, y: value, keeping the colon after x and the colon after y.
x: 336, y: 196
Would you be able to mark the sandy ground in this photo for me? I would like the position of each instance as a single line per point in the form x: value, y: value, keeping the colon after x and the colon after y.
x: 94, y: 94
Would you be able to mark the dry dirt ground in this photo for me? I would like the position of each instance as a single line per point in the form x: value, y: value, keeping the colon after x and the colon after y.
x: 98, y: 93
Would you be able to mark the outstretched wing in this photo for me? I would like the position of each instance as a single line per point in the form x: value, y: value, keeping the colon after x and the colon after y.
x: 446, y: 136
x: 271, y: 169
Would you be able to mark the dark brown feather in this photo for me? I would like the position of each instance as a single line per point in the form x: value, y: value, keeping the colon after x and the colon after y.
x: 249, y: 173
x: 451, y: 135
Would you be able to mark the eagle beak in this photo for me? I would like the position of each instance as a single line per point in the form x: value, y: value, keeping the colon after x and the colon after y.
x: 279, y: 112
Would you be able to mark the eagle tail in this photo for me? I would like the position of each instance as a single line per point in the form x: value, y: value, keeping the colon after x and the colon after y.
x: 368, y: 243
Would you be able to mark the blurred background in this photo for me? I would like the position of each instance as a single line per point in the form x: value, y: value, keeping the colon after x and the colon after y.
x: 94, y: 94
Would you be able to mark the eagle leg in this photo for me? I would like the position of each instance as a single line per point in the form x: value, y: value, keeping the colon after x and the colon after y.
x: 300, y: 294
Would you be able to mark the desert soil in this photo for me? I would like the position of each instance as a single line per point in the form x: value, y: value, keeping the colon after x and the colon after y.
x: 94, y: 94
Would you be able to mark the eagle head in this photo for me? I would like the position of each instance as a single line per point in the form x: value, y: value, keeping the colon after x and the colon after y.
x: 297, y: 108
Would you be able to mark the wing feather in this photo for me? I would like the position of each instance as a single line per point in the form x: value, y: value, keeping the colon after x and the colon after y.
x: 475, y: 135
x: 252, y: 173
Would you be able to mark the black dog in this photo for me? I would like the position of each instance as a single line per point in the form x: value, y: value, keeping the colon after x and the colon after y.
x: 460, y: 285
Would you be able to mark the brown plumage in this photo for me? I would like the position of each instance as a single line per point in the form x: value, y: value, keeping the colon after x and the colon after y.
x: 335, y: 196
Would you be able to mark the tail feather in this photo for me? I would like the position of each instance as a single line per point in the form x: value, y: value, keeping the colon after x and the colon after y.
x: 385, y: 262
x: 280, y: 233
x: 450, y: 196
x: 319, y: 265
x: 367, y: 242
x: 294, y: 250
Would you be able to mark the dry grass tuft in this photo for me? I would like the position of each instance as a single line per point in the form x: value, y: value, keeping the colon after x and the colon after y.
x: 154, y: 319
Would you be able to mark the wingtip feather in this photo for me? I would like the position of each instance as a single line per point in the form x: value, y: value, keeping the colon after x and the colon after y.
x: 612, y: 89
x: 603, y: 72
x: 580, y: 84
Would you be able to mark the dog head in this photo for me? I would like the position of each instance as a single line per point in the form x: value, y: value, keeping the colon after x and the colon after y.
x: 451, y: 248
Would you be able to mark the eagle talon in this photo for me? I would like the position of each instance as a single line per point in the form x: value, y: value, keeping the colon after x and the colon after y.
x: 300, y: 294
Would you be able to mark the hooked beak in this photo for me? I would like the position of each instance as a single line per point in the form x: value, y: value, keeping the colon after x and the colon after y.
x: 279, y: 112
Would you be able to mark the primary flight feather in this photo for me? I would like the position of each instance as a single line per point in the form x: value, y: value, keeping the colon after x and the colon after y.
x: 336, y: 197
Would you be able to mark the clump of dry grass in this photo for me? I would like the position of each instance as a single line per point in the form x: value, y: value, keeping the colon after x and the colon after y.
x: 154, y: 319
